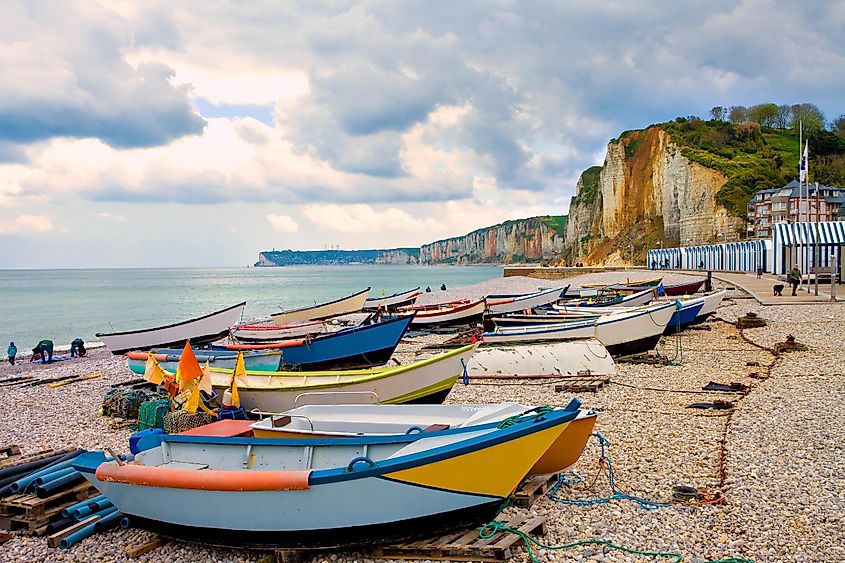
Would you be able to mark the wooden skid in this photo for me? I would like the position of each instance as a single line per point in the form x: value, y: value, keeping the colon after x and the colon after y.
x: 533, y: 488
x: 465, y: 545
x: 591, y: 384
x: 28, y: 512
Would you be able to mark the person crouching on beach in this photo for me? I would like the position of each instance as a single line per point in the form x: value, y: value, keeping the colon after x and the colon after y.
x: 11, y: 352
x: 43, y: 351
x: 77, y: 348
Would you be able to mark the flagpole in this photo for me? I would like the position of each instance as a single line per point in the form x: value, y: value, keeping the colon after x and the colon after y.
x: 800, y: 169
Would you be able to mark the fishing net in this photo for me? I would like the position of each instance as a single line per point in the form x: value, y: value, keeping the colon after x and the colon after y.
x: 151, y: 414
x: 179, y: 421
x: 126, y: 403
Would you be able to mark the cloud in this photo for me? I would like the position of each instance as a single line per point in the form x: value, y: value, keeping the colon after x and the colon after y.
x: 112, y: 216
x: 26, y: 224
x: 63, y: 74
x: 364, y: 219
x: 283, y: 223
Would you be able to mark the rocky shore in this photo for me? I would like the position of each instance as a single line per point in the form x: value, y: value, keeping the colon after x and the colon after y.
x: 776, y: 457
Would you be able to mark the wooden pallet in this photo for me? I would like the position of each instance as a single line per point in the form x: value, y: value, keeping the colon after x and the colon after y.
x: 582, y: 384
x: 28, y: 512
x: 465, y: 545
x: 533, y: 488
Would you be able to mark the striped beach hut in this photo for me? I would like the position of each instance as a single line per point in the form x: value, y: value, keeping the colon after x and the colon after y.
x: 808, y: 245
x: 742, y: 256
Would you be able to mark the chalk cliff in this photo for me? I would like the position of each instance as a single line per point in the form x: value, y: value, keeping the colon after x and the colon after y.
x: 524, y: 240
x: 646, y: 192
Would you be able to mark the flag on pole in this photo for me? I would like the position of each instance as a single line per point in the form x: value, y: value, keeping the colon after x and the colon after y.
x: 153, y: 371
x: 205, y: 380
x: 193, y: 402
x: 804, y: 170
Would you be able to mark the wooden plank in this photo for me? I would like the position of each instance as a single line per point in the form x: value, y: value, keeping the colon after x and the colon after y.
x: 528, y: 527
x: 53, y: 540
x: 138, y: 550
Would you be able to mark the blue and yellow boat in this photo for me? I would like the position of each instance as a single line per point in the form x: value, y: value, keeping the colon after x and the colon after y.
x: 324, y: 492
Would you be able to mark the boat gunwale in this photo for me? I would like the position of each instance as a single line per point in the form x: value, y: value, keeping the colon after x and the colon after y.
x: 318, y: 305
x: 397, y: 294
x: 162, y: 327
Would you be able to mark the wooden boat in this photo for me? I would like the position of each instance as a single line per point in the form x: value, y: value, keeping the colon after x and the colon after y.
x: 200, y: 330
x: 350, y: 421
x: 448, y: 314
x: 653, y: 282
x: 349, y: 304
x: 357, y: 346
x: 684, y: 315
x: 385, y: 302
x: 426, y: 381
x: 637, y: 299
x: 502, y: 305
x: 630, y: 331
x: 711, y: 303
x: 541, y: 359
x: 273, y: 332
x: 168, y: 358
x: 688, y: 288
x: 323, y: 493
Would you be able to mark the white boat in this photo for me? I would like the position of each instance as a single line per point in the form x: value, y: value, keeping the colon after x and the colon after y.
x: 542, y: 359
x: 448, y: 314
x: 711, y: 303
x: 625, y: 332
x: 200, y: 330
x: 426, y: 381
x: 272, y: 332
x: 349, y: 304
x: 500, y: 306
x: 400, y: 299
x: 637, y: 299
x: 326, y: 493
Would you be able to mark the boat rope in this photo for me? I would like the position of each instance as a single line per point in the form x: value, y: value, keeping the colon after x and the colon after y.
x: 466, y: 374
x: 530, y: 414
x: 605, y: 465
x: 492, y: 528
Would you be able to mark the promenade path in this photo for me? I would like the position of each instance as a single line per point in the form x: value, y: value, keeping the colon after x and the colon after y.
x: 761, y: 289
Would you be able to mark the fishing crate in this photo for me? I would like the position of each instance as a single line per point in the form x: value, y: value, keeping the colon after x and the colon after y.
x: 466, y: 545
x: 533, y: 488
x: 29, y: 513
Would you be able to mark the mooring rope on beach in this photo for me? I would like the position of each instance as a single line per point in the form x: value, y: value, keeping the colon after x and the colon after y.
x: 492, y: 528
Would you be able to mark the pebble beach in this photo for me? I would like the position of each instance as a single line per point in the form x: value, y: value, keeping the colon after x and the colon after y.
x: 775, y: 457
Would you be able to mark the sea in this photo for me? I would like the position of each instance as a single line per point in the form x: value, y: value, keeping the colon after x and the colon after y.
x: 64, y: 304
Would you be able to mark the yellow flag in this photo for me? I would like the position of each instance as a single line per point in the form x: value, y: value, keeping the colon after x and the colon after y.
x: 193, y: 401
x: 152, y: 370
x: 205, y: 380
x: 236, y: 400
x: 240, y: 369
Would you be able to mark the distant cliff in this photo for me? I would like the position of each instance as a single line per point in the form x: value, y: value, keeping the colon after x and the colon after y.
x: 523, y: 240
x: 270, y: 258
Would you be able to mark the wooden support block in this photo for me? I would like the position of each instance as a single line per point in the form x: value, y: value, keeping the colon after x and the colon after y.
x: 11, y: 450
x: 54, y: 540
x: 289, y: 556
x: 138, y: 550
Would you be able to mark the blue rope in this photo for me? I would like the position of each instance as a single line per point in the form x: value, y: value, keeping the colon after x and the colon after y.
x: 572, y: 479
x: 466, y: 375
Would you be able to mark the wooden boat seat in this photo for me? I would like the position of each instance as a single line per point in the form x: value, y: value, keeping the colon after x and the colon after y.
x: 436, y: 427
x: 280, y: 421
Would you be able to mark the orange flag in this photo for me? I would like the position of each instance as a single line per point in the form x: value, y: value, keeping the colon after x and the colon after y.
x: 189, y: 368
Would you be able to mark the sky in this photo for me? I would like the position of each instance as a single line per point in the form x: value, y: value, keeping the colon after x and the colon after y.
x: 170, y: 133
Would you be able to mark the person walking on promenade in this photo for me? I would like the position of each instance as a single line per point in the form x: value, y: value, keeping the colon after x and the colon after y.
x: 11, y: 352
x: 794, y: 278
x: 77, y: 348
x: 44, y: 351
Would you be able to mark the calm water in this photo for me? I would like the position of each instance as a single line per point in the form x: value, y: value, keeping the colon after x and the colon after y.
x: 63, y: 304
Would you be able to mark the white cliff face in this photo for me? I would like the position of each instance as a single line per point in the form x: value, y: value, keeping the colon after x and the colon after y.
x: 652, y: 194
x: 396, y: 256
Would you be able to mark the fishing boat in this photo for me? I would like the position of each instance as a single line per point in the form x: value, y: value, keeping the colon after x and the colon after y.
x: 686, y: 311
x: 541, y: 359
x: 349, y: 304
x: 400, y: 299
x: 711, y: 303
x: 637, y: 299
x: 629, y: 331
x: 200, y: 330
x: 448, y: 314
x: 168, y: 358
x: 425, y: 381
x: 652, y: 282
x: 357, y: 346
x: 273, y: 332
x: 323, y: 493
x: 500, y: 305
x: 673, y: 290
x: 350, y: 421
